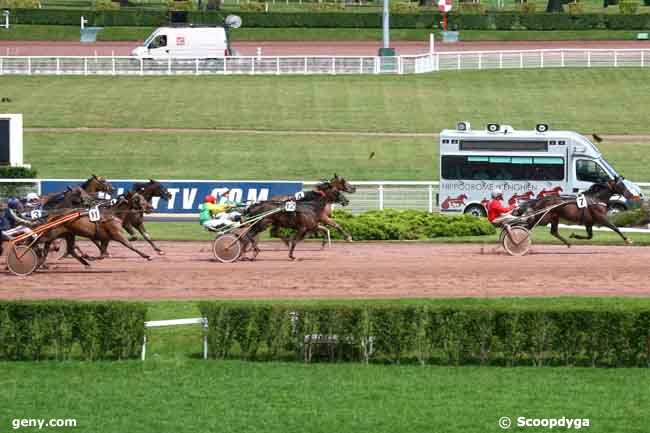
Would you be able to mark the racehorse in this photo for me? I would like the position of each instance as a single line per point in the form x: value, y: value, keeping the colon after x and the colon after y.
x: 133, y: 219
x: 108, y: 228
x: 307, y: 214
x: 339, y: 185
x: 86, y: 190
x: 567, y: 208
x: 129, y: 207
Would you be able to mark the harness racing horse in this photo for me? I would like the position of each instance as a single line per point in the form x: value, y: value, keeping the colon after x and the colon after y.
x: 129, y: 207
x: 147, y: 190
x: 108, y: 228
x: 567, y: 208
x: 339, y: 185
x: 86, y: 191
x: 304, y: 220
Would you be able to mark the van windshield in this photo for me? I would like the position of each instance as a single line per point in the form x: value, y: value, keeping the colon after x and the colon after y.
x: 610, y: 170
x: 149, y: 39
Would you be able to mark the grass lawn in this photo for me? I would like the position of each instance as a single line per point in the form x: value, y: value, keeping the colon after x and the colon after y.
x: 602, y: 100
x: 193, y: 395
x: 260, y: 156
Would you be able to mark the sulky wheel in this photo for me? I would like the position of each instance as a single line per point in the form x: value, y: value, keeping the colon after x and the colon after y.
x: 227, y: 248
x: 22, y: 260
x: 517, y: 242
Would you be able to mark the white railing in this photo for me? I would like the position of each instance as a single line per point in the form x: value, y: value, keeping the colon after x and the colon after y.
x: 539, y: 59
x: 327, y: 65
x: 368, y: 196
x: 278, y: 65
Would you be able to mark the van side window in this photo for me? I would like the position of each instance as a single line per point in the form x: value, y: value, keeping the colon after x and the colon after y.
x: 590, y: 171
x: 159, y: 42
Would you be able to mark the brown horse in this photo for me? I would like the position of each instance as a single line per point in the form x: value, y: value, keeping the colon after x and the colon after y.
x: 146, y: 190
x: 567, y: 208
x: 306, y: 217
x: 339, y: 185
x: 131, y: 207
x: 86, y: 191
x: 108, y: 228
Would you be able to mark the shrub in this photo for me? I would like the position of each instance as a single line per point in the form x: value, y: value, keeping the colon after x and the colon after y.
x: 46, y: 329
x: 253, y: 7
x: 8, y: 172
x: 19, y: 4
x: 528, y: 8
x: 471, y: 8
x: 409, y: 225
x: 404, y: 8
x: 106, y: 5
x: 575, y: 8
x: 628, y: 7
x: 428, y: 333
x: 326, y: 7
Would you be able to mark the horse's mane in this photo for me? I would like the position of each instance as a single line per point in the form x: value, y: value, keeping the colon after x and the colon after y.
x: 596, y: 188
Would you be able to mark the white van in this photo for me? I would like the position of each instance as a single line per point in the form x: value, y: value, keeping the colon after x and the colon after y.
x: 194, y: 42
x: 523, y: 164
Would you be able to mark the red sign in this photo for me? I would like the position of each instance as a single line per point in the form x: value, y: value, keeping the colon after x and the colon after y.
x: 180, y: 40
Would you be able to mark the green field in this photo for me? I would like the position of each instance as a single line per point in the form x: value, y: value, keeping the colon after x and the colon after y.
x: 117, y: 33
x: 261, y: 156
x: 602, y: 100
x: 173, y: 391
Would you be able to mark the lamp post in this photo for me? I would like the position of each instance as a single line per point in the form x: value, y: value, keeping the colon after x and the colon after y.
x: 386, y: 25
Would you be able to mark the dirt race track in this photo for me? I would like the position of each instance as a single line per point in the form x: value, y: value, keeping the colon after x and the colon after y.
x: 358, y: 270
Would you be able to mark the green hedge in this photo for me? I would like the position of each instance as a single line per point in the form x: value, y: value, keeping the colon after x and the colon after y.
x: 8, y: 172
x: 409, y: 225
x: 64, y: 330
x: 425, y: 20
x: 428, y: 333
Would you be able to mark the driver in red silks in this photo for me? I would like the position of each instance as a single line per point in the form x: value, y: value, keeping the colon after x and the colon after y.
x: 497, y: 211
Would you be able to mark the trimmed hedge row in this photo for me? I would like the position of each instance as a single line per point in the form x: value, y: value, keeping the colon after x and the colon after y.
x: 8, y: 172
x: 409, y: 225
x: 427, y: 20
x: 428, y: 334
x: 63, y: 330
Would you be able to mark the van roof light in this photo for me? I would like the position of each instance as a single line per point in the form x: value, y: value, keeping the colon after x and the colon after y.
x: 493, y: 127
x: 463, y: 126
x: 541, y: 127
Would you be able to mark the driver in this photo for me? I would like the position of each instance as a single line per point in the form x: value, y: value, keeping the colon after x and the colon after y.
x: 213, y: 215
x: 498, y: 213
x: 11, y: 223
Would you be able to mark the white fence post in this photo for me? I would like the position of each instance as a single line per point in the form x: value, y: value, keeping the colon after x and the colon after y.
x: 29, y: 66
x: 333, y: 66
x: 58, y: 66
x: 541, y: 59
x: 252, y: 65
x: 642, y: 60
x: 1, y: 66
x: 196, y: 67
x: 562, y: 54
x: 458, y: 66
x: 381, y: 196
x: 169, y: 66
x: 430, y: 189
x: 225, y: 60
x: 615, y: 58
x: 501, y: 60
x: 360, y: 64
x: 437, y: 62
x: 589, y: 59
x: 277, y: 66
x: 85, y: 66
x: 400, y: 65
x: 305, y: 64
x: 113, y: 63
x: 521, y: 60
x: 480, y: 61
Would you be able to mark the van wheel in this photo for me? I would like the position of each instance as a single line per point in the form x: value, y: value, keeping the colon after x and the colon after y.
x: 476, y: 210
x: 615, y: 208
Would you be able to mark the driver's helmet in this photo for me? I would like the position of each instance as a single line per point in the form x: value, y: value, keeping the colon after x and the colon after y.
x: 210, y: 199
x: 13, y: 203
x: 32, y: 197
x: 496, y: 193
